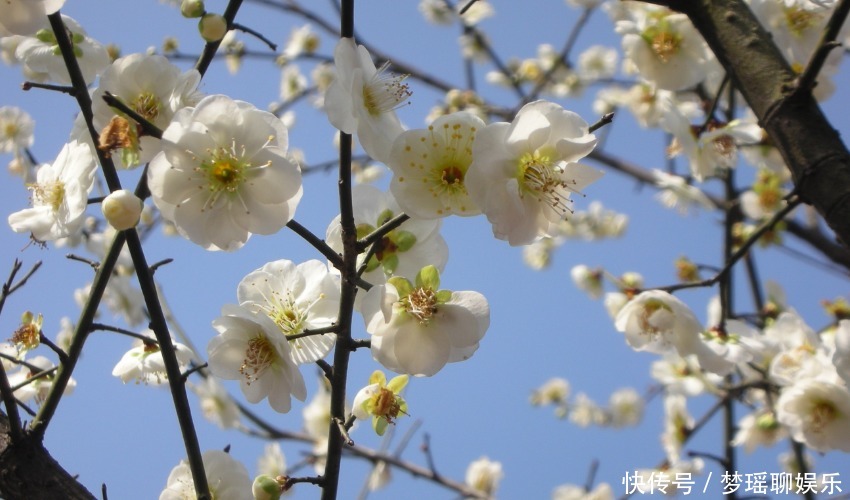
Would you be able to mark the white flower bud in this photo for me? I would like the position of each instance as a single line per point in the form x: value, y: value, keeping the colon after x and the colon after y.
x: 213, y: 27
x: 122, y: 209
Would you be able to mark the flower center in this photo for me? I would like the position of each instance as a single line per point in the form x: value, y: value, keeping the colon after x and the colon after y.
x: 421, y: 304
x: 10, y: 130
x: 225, y: 170
x: 51, y: 194
x: 452, y: 176
x: 823, y: 413
x: 665, y: 45
x: 542, y: 180
x: 386, y: 405
x: 147, y: 105
x: 385, y: 92
x: 259, y: 355
x: 799, y: 20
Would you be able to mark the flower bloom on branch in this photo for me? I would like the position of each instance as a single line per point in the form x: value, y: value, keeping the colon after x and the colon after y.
x: 430, y: 166
x: 381, y: 400
x: 144, y: 363
x: 227, y: 477
x: 523, y: 173
x: 296, y: 298
x: 658, y: 322
x: 403, y: 251
x: 152, y: 87
x: 16, y: 130
x: 417, y: 328
x: 664, y: 47
x: 59, y: 195
x: 223, y: 173
x: 24, y: 17
x: 251, y: 349
x: 711, y: 149
x: 41, y: 57
x: 36, y: 388
x: 484, y: 475
x: 216, y: 403
x: 363, y: 99
x: 817, y: 413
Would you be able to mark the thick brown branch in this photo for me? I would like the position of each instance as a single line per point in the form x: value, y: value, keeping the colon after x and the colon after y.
x: 811, y: 147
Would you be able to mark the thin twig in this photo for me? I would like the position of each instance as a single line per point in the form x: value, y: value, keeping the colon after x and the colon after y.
x: 256, y: 34
x: 807, y: 79
x: 147, y: 127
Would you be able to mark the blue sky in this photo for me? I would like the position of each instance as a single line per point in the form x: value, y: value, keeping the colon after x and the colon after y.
x: 542, y: 326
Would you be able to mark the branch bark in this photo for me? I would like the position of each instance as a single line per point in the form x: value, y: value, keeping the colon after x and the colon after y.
x: 27, y: 471
x: 812, y: 148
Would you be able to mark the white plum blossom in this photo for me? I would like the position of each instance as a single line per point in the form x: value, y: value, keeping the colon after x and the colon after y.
x: 430, y: 167
x: 223, y: 173
x: 587, y: 280
x: 675, y: 192
x: 152, y: 87
x: 677, y: 425
x: 36, y: 389
x: 401, y: 252
x: 817, y: 414
x: 59, y: 195
x: 841, y: 355
x: 484, y: 475
x: 417, y: 328
x: 143, y: 362
x: 228, y: 479
x: 664, y: 47
x: 272, y: 462
x: 625, y: 408
x: 216, y: 404
x: 711, y: 150
x: 436, y: 12
x: 292, y: 82
x: 16, y: 129
x: 682, y: 375
x: 523, y: 172
x: 301, y: 40
x: 317, y: 413
x: 554, y: 391
x: 250, y: 348
x: 380, y: 400
x: 39, y: 54
x: 24, y: 17
x: 363, y: 99
x: 759, y: 428
x: 584, y: 412
x: 656, y: 321
x: 296, y: 298
x: 597, y: 63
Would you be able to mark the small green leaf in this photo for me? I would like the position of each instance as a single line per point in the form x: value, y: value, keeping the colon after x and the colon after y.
x: 444, y: 296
